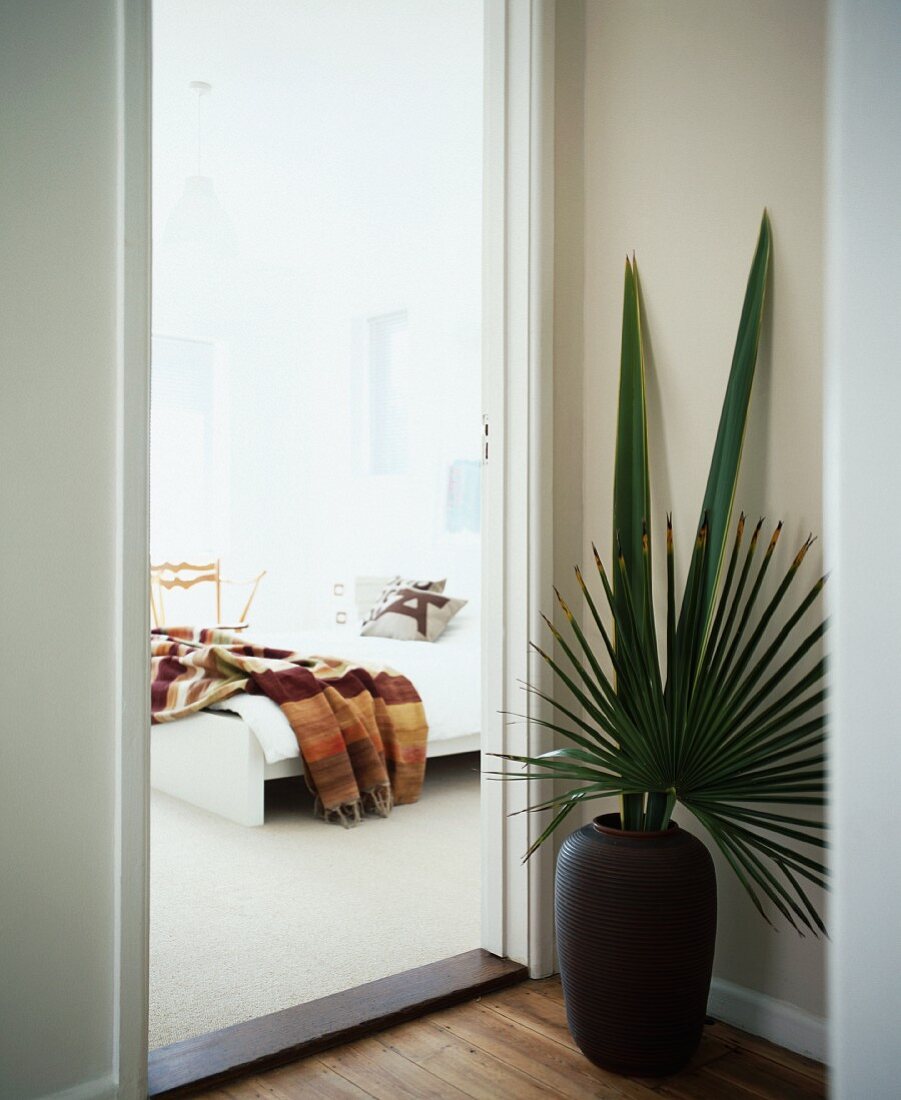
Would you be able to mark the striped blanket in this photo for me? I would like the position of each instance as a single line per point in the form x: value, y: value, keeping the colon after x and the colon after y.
x: 361, y: 733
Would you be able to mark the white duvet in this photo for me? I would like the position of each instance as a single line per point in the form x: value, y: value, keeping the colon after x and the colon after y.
x: 446, y: 673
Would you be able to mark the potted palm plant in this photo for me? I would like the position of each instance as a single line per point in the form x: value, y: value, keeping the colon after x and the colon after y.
x: 722, y: 718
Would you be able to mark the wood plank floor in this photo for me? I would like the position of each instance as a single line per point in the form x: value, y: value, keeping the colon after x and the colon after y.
x: 514, y: 1045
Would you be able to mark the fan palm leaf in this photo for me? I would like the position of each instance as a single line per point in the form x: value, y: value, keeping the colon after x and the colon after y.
x: 728, y: 721
x: 726, y: 762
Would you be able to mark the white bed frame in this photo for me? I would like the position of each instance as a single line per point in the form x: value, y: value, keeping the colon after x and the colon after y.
x: 214, y: 761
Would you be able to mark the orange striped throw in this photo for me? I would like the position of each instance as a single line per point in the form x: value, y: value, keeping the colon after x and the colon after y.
x: 361, y: 732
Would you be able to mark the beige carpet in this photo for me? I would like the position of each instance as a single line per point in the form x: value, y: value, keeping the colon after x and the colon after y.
x: 248, y: 921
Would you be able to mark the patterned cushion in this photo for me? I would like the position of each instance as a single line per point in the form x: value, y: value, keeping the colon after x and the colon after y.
x: 412, y: 614
x: 389, y: 592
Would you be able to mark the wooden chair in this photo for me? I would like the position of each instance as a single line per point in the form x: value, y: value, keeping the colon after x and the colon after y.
x: 168, y: 575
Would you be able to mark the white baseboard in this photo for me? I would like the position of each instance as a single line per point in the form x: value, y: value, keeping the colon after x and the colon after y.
x: 762, y: 1015
x: 100, y: 1088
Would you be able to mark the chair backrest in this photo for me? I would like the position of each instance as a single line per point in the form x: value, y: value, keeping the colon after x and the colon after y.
x: 168, y: 575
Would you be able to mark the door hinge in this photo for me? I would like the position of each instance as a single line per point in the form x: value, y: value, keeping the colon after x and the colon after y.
x: 484, y: 439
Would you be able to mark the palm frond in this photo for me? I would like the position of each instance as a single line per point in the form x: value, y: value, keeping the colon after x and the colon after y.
x: 726, y: 459
x: 757, y: 742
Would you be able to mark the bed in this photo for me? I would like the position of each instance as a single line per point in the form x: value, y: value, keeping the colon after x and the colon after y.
x: 221, y: 759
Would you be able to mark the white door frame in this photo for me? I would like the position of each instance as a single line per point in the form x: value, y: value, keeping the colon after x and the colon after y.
x: 518, y: 249
x: 518, y: 324
x: 132, y: 623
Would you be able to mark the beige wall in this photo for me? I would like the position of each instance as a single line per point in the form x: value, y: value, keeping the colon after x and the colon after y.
x: 569, y: 284
x: 58, y: 135
x: 697, y: 114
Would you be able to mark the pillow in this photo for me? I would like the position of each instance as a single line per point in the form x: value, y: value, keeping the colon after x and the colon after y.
x: 394, y: 586
x: 425, y: 586
x: 412, y: 614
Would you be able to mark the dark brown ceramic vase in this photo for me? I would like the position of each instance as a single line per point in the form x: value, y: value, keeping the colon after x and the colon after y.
x: 636, y: 926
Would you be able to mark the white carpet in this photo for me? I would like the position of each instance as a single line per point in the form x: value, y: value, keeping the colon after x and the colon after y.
x: 246, y: 921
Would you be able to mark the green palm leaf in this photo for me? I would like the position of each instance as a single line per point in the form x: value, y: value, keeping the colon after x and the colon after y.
x: 721, y: 481
x: 631, y: 482
x: 631, y: 496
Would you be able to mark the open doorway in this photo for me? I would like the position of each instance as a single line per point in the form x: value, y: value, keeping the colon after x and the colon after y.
x: 315, y: 450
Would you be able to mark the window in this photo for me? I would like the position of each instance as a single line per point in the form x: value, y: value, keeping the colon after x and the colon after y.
x: 189, y: 484
x: 389, y: 382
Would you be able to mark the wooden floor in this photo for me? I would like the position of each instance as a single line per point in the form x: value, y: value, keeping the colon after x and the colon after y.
x: 514, y: 1045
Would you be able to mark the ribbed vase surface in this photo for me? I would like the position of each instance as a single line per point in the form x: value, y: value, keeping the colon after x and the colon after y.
x: 636, y: 927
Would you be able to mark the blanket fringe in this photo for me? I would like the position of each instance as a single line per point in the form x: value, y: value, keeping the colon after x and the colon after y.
x: 347, y: 816
x: 379, y: 800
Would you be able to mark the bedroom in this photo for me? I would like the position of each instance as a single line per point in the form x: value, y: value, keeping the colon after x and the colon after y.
x: 315, y: 436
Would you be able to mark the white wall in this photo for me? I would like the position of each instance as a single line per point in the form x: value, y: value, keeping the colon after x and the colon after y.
x: 58, y: 135
x: 344, y: 141
x: 696, y: 116
x: 864, y: 460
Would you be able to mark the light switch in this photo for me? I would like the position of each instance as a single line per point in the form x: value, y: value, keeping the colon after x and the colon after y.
x: 338, y: 589
x: 341, y: 617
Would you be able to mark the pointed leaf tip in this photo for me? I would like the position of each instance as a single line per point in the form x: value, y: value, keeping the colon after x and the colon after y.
x: 550, y: 626
x: 775, y: 537
x: 802, y: 553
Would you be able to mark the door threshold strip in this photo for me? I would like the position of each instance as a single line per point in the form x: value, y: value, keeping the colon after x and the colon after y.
x: 280, y: 1037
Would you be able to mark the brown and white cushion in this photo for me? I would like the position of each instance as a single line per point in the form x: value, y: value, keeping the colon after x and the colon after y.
x: 394, y: 586
x: 412, y: 614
